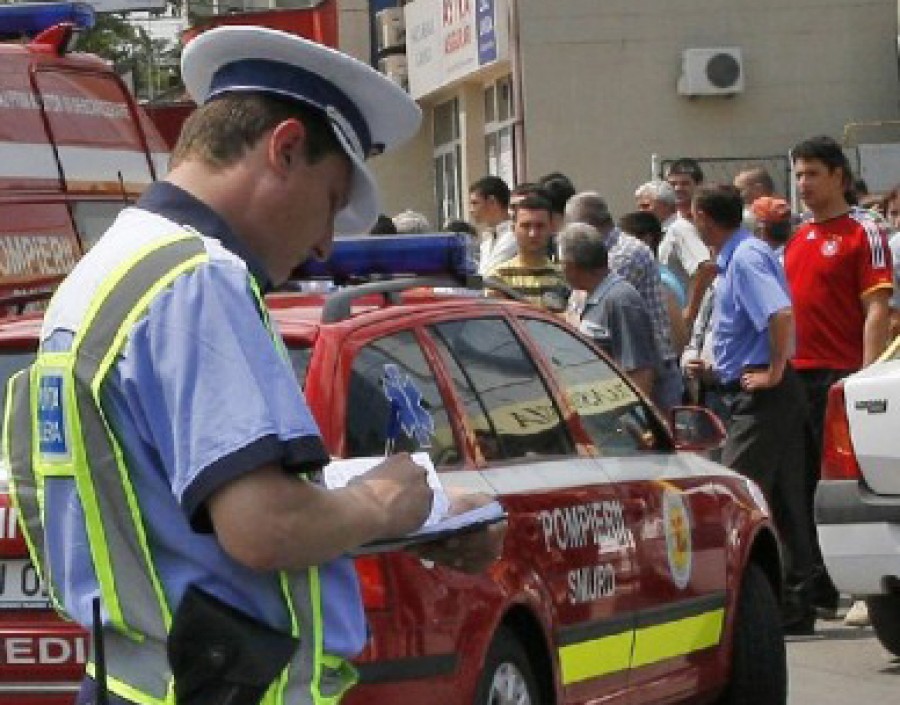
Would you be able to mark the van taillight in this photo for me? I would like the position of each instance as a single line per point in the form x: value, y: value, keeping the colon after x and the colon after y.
x: 372, y: 582
x: 838, y: 456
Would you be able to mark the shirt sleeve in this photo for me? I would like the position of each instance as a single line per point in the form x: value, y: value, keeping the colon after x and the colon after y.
x: 760, y: 285
x: 215, y: 396
x: 692, y: 251
x: 632, y: 333
x: 874, y: 260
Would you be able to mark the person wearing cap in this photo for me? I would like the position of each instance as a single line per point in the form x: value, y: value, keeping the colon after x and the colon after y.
x: 772, y: 222
x: 752, y: 339
x: 181, y: 484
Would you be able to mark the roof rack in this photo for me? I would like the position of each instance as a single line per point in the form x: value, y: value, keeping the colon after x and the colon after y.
x: 339, y: 304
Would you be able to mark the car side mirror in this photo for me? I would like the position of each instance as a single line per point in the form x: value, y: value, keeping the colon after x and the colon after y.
x: 696, y: 428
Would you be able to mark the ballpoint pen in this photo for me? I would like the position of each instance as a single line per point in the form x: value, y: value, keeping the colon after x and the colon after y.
x: 393, y: 428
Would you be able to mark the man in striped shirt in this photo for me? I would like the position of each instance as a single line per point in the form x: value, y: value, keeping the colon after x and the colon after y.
x: 531, y: 272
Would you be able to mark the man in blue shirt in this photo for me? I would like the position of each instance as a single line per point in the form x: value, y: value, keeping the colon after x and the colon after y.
x: 752, y: 335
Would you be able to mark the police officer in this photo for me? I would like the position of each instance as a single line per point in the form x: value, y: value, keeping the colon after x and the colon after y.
x: 175, y: 460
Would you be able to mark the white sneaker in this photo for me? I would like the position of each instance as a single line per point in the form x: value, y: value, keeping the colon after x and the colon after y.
x: 857, y: 615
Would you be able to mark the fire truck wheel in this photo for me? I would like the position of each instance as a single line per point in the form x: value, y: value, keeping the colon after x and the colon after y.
x: 507, y: 678
x: 759, y: 660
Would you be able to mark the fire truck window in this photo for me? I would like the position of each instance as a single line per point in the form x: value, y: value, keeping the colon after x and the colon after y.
x: 475, y: 411
x: 509, y: 407
x: 611, y: 413
x: 392, y: 385
x: 93, y: 218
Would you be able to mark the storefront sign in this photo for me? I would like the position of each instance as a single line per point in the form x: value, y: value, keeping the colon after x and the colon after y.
x: 449, y: 40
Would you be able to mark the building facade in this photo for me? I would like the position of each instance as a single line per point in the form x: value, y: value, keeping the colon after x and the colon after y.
x: 607, y: 91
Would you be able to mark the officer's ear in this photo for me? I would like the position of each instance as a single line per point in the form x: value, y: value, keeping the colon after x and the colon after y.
x: 286, y: 144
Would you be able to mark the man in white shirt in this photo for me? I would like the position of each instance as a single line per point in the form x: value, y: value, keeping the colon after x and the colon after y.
x: 681, y: 249
x: 489, y: 212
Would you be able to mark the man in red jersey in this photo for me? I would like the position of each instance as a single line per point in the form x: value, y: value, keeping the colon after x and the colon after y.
x: 838, y: 266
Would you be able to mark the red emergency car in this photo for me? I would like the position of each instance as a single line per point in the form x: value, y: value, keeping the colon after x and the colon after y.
x: 633, y: 571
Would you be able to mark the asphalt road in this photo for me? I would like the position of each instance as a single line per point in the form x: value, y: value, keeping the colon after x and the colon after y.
x: 841, y: 666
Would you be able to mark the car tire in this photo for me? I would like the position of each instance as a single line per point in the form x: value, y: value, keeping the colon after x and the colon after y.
x: 884, y: 613
x: 507, y: 677
x: 759, y: 659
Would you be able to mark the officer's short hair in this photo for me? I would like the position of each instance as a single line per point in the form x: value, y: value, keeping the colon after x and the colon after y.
x: 221, y: 131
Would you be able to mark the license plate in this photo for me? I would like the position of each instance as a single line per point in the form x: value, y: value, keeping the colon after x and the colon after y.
x: 20, y: 586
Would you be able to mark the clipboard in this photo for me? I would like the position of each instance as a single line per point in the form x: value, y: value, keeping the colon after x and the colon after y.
x: 457, y: 525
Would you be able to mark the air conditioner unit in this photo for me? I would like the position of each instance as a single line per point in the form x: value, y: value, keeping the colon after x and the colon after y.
x: 390, y: 30
x: 394, y: 67
x: 712, y: 71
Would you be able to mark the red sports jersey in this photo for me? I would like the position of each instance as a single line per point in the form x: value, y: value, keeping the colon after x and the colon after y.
x: 830, y: 266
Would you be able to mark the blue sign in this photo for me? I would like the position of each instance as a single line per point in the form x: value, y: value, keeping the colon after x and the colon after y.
x: 51, y: 419
x: 487, y: 35
x: 406, y: 403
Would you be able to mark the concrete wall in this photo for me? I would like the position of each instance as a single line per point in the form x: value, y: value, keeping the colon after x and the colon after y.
x: 599, y: 81
x: 599, y: 85
x: 404, y: 176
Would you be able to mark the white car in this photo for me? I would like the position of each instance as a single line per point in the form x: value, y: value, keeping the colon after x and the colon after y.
x: 858, y: 499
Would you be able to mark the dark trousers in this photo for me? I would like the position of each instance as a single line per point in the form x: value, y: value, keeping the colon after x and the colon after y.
x: 766, y: 442
x: 816, y: 384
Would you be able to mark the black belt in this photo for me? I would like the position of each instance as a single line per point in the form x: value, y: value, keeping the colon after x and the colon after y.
x: 725, y: 387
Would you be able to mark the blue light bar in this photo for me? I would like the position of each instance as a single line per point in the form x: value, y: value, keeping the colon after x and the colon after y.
x: 30, y: 19
x: 363, y: 257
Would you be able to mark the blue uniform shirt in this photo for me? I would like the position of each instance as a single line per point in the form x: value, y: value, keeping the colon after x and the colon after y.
x: 200, y: 396
x: 751, y: 286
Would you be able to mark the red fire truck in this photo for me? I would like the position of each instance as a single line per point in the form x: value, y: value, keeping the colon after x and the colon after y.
x: 74, y: 147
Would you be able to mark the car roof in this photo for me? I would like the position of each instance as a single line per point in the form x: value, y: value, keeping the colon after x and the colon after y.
x: 300, y: 314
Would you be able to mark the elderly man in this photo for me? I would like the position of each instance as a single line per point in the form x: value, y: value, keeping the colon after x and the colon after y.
x: 657, y: 197
x: 186, y: 489
x: 614, y: 313
x: 633, y: 261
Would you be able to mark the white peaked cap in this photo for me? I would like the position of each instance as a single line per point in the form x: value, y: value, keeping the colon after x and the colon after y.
x: 368, y: 112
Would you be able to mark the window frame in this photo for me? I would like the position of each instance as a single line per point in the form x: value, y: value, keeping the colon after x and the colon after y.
x: 661, y: 429
x: 572, y: 430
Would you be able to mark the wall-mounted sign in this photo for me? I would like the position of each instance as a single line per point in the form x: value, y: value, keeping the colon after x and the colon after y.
x: 448, y: 40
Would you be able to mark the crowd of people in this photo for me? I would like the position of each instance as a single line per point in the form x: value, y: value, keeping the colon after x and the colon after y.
x: 719, y: 295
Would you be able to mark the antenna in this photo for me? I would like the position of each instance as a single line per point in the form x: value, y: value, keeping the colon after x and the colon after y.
x: 99, y: 654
